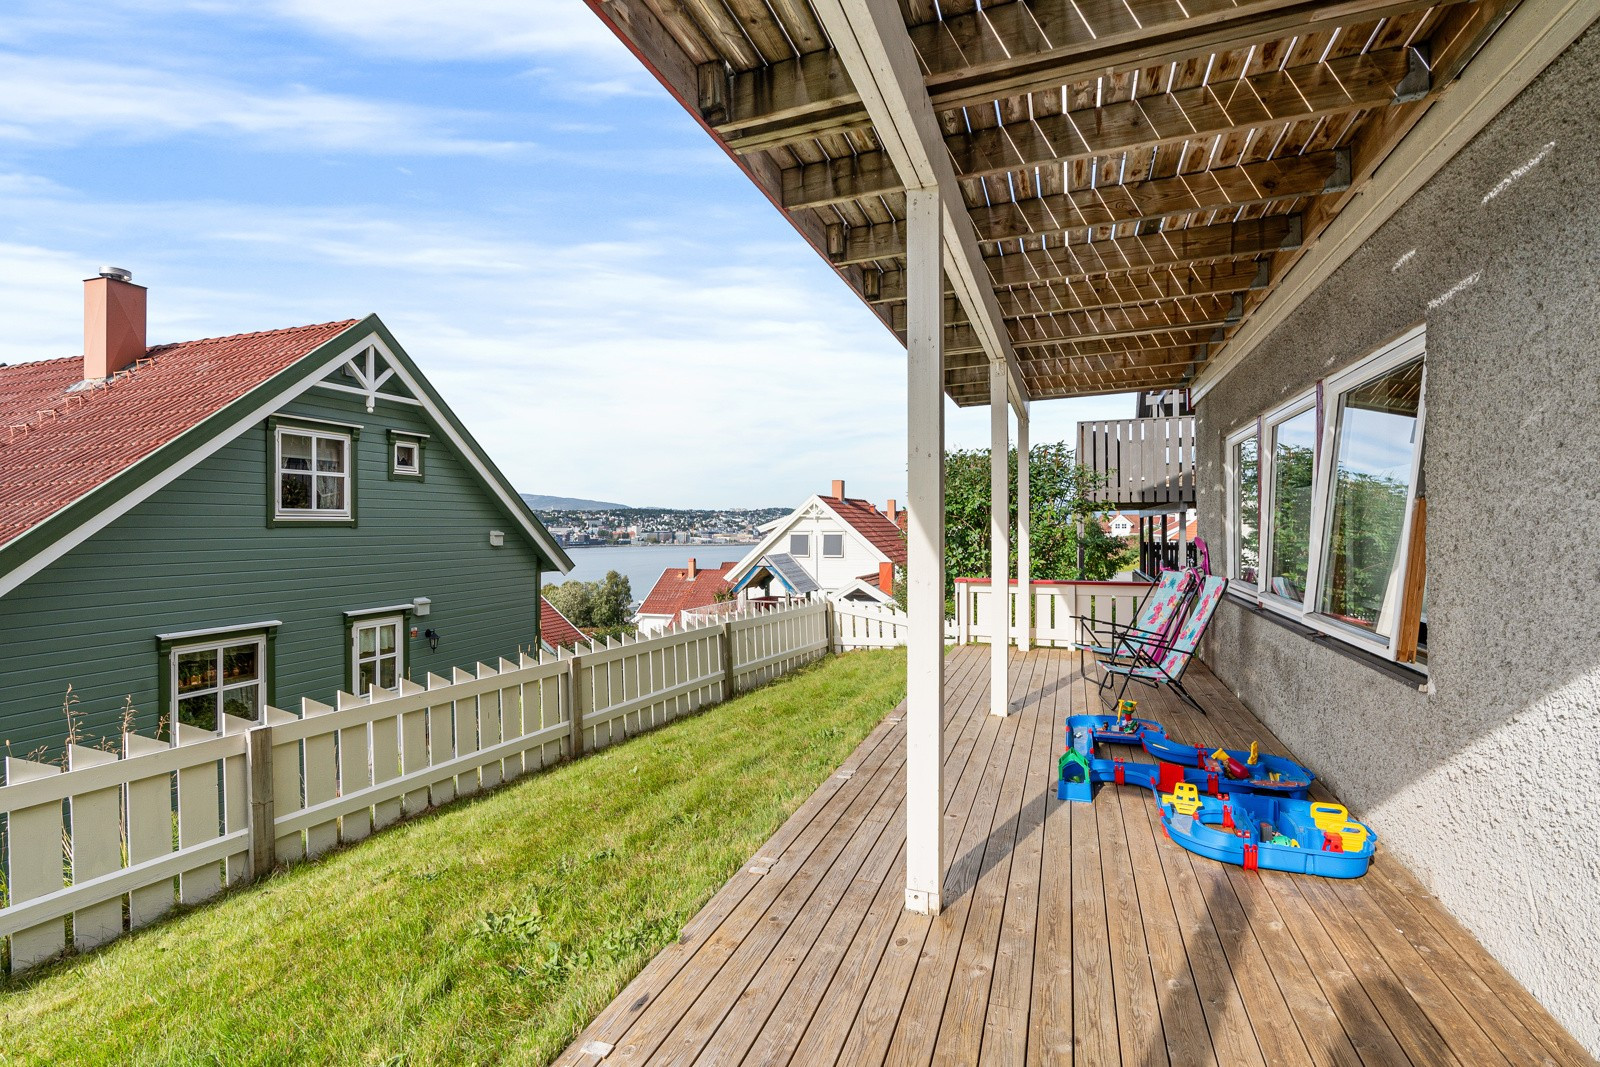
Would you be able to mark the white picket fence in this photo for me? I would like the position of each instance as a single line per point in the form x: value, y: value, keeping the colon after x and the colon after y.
x: 115, y: 842
x: 1056, y: 609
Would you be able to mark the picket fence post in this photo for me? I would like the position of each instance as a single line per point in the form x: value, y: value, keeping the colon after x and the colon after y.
x: 263, y: 813
x: 580, y: 701
x: 730, y: 674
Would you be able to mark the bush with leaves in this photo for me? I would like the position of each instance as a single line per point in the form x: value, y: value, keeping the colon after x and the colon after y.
x: 599, y: 609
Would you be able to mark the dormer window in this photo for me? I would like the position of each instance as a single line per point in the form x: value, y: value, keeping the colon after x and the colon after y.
x: 313, y: 472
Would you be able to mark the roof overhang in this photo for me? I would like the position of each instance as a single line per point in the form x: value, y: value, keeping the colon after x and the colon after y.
x: 1127, y: 187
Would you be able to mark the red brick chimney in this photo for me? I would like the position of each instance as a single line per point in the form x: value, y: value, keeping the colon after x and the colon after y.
x: 886, y: 577
x: 891, y: 510
x: 113, y: 323
x: 838, y: 488
x: 691, y: 570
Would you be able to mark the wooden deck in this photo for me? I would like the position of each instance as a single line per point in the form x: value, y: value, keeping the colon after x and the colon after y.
x: 1072, y: 933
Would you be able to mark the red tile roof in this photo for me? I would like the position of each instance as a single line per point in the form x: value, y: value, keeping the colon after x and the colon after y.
x: 675, y: 591
x: 556, y: 629
x: 57, y: 445
x: 872, y: 524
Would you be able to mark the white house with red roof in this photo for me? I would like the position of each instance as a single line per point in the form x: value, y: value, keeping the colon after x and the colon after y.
x: 832, y: 545
x: 201, y: 529
x: 681, y: 591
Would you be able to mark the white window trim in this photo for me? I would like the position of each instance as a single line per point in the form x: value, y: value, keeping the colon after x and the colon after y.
x: 176, y: 652
x: 312, y: 513
x: 1401, y: 350
x: 1230, y: 476
x: 370, y: 623
x: 415, y: 467
x: 807, y: 552
x: 832, y: 555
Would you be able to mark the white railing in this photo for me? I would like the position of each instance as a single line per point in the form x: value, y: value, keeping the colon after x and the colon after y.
x: 862, y: 625
x: 101, y: 842
x: 1056, y: 608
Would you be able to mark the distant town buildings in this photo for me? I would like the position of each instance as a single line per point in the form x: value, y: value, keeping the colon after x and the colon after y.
x: 653, y: 526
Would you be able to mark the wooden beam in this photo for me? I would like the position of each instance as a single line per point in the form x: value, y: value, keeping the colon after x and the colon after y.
x: 1274, y: 96
x: 1116, y: 290
x: 1011, y: 49
x: 1205, y: 312
x: 1226, y: 188
x: 1198, y: 244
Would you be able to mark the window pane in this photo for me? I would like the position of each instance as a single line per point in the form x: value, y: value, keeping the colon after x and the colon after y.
x: 241, y: 663
x: 1372, y: 478
x: 1247, y: 462
x: 199, y: 711
x: 294, y: 492
x: 330, y: 493
x: 366, y: 673
x: 386, y: 638
x: 799, y: 544
x: 386, y: 667
x: 833, y: 544
x: 295, y: 452
x: 405, y: 457
x: 243, y: 703
x: 330, y: 454
x: 197, y: 670
x: 1293, y: 451
x: 367, y: 640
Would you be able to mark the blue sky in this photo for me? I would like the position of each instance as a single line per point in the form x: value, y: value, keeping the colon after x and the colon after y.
x: 600, y: 294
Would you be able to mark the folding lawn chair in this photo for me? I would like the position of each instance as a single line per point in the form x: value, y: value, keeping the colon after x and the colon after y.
x: 1155, y: 620
x: 1157, y: 662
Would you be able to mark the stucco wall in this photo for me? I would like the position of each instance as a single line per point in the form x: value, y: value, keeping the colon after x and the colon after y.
x: 1487, y: 787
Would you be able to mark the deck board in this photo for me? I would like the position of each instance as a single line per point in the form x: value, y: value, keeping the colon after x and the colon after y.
x: 1071, y: 932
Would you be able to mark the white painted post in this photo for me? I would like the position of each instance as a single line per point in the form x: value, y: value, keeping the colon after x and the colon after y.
x: 924, y: 554
x: 999, y: 538
x: 1024, y: 560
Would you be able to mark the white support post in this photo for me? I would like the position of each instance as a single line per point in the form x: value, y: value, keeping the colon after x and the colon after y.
x: 999, y: 539
x: 1024, y: 561
x: 924, y: 554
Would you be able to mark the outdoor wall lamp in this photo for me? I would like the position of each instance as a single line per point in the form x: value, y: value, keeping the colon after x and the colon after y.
x: 433, y: 639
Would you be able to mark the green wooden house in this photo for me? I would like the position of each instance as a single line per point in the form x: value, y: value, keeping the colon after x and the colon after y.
x: 197, y: 529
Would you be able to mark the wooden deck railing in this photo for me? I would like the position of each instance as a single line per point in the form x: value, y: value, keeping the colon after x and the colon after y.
x: 1052, y: 614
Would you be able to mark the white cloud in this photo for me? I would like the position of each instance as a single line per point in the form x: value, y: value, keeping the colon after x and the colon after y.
x: 56, y: 101
x: 462, y: 28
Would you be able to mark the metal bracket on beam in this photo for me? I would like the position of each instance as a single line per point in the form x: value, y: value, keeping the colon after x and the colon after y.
x: 1236, y: 312
x: 1342, y: 175
x: 1263, y: 276
x: 715, y: 80
x: 1418, y: 81
x: 1296, y: 233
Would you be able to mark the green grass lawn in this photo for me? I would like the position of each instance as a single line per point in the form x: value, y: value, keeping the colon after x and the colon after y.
x: 489, y: 932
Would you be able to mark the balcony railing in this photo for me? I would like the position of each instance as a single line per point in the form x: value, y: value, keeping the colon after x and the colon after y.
x: 1052, y: 611
x: 1146, y: 463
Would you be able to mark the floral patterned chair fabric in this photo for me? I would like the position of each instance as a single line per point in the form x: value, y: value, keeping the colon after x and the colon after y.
x: 1157, y: 666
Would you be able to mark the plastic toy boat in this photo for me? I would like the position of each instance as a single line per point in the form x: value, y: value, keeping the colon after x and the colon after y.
x: 1269, y: 833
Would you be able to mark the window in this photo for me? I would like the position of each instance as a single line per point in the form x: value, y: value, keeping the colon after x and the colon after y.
x: 1294, y: 441
x: 375, y: 654
x: 407, y: 460
x: 313, y: 474
x: 799, y: 544
x: 833, y: 544
x: 1244, y: 530
x: 229, y: 676
x: 1375, y: 433
x: 1324, y: 502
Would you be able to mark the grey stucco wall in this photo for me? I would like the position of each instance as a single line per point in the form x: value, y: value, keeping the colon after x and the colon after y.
x: 1486, y: 786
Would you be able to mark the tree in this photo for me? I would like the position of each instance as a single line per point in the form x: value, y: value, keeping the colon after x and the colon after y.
x: 1061, y: 494
x: 599, y: 609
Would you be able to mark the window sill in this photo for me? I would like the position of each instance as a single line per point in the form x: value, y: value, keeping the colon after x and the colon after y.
x: 1409, y: 676
x: 311, y: 520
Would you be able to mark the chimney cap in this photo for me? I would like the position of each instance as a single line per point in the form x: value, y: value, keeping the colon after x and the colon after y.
x: 117, y: 273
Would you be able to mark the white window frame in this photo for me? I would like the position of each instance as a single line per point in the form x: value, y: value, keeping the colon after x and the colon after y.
x: 372, y: 623
x: 412, y: 470
x: 216, y: 645
x: 832, y: 555
x: 1409, y: 346
x: 346, y: 440
x: 807, y: 553
x: 1230, y: 467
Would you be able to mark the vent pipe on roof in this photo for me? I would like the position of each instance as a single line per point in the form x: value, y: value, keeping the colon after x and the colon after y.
x: 113, y: 323
x: 838, y: 488
x: 891, y: 510
x: 691, y: 570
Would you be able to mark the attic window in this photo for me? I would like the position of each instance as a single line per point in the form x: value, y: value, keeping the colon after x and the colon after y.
x: 799, y: 545
x: 312, y: 475
x: 833, y: 544
x: 406, y: 455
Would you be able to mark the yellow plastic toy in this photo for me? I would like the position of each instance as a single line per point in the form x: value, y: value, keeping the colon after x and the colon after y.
x: 1335, y: 819
x: 1184, y: 798
x: 1255, y: 753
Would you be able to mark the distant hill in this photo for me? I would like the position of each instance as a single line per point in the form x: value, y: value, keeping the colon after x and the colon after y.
x: 569, y: 503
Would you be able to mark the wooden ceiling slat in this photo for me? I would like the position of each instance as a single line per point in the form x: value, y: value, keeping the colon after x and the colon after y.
x: 1123, y: 254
